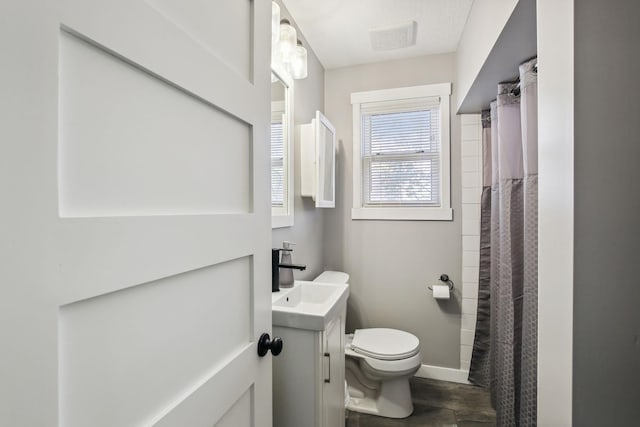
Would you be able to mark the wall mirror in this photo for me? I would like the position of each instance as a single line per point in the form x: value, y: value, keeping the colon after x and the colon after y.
x: 281, y: 149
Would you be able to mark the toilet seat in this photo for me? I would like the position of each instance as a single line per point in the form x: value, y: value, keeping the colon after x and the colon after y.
x: 385, y: 344
x: 394, y: 364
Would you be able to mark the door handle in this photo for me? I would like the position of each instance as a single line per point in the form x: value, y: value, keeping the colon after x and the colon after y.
x: 328, y: 356
x: 265, y: 343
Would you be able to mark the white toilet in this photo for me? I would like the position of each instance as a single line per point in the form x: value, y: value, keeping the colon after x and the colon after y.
x: 379, y: 363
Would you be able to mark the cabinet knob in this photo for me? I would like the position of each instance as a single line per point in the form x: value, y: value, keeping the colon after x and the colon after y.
x: 265, y: 343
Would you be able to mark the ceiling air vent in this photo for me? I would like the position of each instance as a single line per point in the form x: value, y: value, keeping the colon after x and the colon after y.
x: 395, y: 37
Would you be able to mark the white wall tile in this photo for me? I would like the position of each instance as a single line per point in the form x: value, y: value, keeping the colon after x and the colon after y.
x: 471, y: 258
x: 466, y: 337
x: 469, y: 306
x: 470, y: 274
x: 471, y: 179
x: 469, y: 321
x: 471, y: 212
x: 471, y: 228
x: 470, y: 243
x: 470, y: 148
x: 471, y: 164
x: 471, y: 135
x: 469, y: 290
x: 466, y: 119
x: 471, y: 132
x: 471, y: 195
x: 465, y: 352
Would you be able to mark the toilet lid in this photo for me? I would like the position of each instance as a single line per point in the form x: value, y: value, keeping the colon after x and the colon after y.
x: 385, y: 344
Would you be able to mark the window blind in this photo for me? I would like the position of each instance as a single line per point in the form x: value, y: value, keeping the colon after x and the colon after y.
x: 277, y: 165
x: 401, y: 153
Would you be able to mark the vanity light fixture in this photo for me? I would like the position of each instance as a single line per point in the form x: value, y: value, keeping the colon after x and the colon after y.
x: 287, y: 52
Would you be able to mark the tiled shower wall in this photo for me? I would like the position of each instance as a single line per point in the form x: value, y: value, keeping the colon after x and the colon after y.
x: 471, y: 192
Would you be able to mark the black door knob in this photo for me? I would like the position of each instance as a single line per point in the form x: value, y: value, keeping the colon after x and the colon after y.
x: 265, y: 343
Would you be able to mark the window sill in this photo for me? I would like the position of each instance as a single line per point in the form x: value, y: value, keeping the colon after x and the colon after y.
x: 281, y: 221
x: 402, y: 214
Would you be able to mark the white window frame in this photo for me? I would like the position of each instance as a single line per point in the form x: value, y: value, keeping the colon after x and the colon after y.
x: 423, y: 213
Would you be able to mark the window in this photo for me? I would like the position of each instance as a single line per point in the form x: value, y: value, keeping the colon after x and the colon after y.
x: 277, y: 163
x: 401, y: 154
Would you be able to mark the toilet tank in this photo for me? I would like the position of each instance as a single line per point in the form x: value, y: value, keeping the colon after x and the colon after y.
x: 337, y: 277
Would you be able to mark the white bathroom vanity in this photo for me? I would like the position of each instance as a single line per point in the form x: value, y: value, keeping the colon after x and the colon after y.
x: 308, y: 376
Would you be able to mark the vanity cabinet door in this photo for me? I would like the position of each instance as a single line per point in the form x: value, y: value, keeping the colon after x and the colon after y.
x: 333, y: 366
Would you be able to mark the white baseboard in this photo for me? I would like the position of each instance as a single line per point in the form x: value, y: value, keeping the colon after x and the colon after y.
x: 443, y: 374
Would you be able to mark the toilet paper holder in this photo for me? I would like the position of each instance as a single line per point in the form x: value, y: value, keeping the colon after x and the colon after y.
x: 444, y: 278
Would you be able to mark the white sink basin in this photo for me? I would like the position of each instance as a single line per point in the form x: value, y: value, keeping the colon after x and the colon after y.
x: 308, y: 305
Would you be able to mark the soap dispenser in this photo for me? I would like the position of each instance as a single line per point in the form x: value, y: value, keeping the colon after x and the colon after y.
x: 286, y: 274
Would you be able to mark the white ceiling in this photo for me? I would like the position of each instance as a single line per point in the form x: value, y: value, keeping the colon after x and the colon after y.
x: 338, y: 30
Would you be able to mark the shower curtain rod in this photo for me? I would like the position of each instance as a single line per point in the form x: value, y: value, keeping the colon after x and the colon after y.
x: 516, y: 90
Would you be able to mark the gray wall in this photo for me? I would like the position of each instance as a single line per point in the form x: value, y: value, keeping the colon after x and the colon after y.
x: 308, y: 227
x: 606, y: 348
x: 391, y: 262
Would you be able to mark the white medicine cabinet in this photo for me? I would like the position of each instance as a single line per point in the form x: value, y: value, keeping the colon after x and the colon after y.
x: 318, y: 157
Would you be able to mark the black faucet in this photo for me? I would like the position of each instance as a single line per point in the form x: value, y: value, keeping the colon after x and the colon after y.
x: 276, y: 266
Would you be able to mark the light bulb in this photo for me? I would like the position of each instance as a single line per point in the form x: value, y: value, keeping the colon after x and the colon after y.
x: 298, y: 64
x: 275, y: 24
x: 287, y: 42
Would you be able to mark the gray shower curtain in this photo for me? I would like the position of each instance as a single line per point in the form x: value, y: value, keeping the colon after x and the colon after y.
x: 505, y: 347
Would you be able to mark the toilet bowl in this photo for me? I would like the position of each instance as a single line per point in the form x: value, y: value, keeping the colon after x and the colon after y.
x: 378, y: 365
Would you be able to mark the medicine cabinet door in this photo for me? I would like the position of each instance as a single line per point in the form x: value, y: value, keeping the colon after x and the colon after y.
x: 326, y: 162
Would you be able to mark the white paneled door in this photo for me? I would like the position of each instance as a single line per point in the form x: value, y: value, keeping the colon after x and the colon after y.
x: 135, y: 232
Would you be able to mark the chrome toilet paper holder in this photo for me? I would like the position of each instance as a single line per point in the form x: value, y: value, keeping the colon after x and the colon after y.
x: 444, y: 278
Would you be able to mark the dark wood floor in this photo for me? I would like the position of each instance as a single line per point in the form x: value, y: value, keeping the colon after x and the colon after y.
x: 437, y: 404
